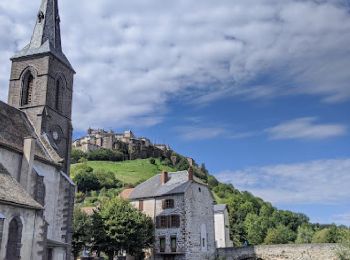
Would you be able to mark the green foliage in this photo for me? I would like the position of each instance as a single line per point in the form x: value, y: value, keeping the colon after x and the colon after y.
x: 127, y: 228
x: 330, y: 234
x: 116, y: 226
x: 279, y: 235
x: 152, y: 161
x: 344, y: 248
x: 86, y: 180
x: 105, y: 155
x: 212, y: 182
x: 76, y: 155
x: 80, y: 231
x: 305, y: 234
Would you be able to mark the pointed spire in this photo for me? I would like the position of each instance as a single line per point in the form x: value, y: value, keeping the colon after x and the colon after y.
x: 47, y: 26
x: 46, y: 37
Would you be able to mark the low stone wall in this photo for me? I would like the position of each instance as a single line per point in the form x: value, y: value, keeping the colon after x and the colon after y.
x: 281, y: 252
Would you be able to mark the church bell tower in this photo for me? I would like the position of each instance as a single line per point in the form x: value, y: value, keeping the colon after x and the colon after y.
x: 41, y: 83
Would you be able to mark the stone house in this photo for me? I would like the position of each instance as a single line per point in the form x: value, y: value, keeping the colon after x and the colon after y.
x: 36, y: 194
x: 222, y: 226
x: 182, y: 209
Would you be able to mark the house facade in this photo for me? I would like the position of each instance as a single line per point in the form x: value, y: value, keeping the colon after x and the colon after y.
x: 222, y: 226
x: 36, y: 193
x: 182, y: 209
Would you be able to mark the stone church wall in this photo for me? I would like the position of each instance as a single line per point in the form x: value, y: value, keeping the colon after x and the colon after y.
x: 31, y: 232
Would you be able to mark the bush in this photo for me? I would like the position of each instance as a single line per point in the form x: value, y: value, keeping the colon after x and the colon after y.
x: 86, y: 181
x: 105, y: 155
x: 77, y: 155
x: 152, y: 161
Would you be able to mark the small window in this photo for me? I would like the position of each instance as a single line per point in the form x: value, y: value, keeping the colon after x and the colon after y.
x: 163, y: 222
x: 199, y: 189
x: 141, y: 205
x: 162, y: 244
x: 168, y: 204
x: 173, y: 243
x: 175, y: 221
x: 203, y: 242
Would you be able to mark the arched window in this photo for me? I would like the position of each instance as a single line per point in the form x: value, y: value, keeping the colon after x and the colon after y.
x: 57, y: 94
x: 13, y: 250
x: 27, y: 90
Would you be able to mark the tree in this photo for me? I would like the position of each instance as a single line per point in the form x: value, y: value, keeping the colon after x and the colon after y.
x: 127, y: 228
x: 86, y: 180
x: 80, y: 238
x: 279, y: 235
x: 344, y: 248
x: 305, y: 234
x: 256, y: 228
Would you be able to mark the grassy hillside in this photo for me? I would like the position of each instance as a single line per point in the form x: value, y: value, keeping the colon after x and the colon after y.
x: 252, y: 219
x: 131, y: 172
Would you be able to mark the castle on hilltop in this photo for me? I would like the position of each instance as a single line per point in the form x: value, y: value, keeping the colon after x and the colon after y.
x: 127, y: 143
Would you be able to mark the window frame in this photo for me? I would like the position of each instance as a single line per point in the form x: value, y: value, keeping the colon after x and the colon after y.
x: 162, y: 249
x: 173, y: 249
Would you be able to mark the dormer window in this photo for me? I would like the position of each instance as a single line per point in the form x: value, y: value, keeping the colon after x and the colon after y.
x: 27, y: 90
x: 168, y: 204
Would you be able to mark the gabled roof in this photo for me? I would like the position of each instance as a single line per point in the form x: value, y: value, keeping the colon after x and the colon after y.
x: 11, y: 192
x: 219, y: 208
x: 178, y: 183
x: 14, y: 127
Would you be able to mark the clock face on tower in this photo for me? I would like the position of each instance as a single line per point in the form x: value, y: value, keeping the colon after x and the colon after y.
x: 56, y: 134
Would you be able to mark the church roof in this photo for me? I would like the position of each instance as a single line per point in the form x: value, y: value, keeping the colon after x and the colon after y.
x: 178, y: 183
x: 11, y: 192
x: 46, y: 37
x: 14, y: 127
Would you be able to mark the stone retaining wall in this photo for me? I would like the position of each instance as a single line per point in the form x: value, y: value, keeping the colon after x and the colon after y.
x: 281, y: 252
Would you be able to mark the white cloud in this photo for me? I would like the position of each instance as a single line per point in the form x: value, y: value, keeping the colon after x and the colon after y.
x: 200, y: 133
x: 315, y: 182
x: 131, y: 57
x: 343, y: 219
x: 305, y: 128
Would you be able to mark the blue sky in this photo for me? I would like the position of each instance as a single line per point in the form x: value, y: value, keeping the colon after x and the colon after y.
x: 258, y: 90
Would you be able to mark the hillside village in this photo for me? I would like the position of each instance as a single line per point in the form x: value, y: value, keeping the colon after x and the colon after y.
x: 127, y: 143
x: 179, y: 212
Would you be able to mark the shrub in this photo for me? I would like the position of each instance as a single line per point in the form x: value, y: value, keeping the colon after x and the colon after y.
x: 152, y: 161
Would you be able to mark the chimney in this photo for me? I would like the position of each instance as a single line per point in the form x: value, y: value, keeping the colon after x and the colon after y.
x: 164, y: 177
x: 190, y: 173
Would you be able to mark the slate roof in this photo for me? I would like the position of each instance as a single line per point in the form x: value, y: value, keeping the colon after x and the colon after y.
x: 12, y: 192
x: 14, y: 127
x: 219, y: 208
x: 178, y: 183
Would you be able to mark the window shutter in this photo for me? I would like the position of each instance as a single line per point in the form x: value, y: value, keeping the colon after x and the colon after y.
x: 157, y: 222
x: 163, y: 204
x: 169, y: 221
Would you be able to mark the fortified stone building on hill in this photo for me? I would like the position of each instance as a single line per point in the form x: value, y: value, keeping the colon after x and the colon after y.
x: 131, y: 146
x: 36, y: 193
